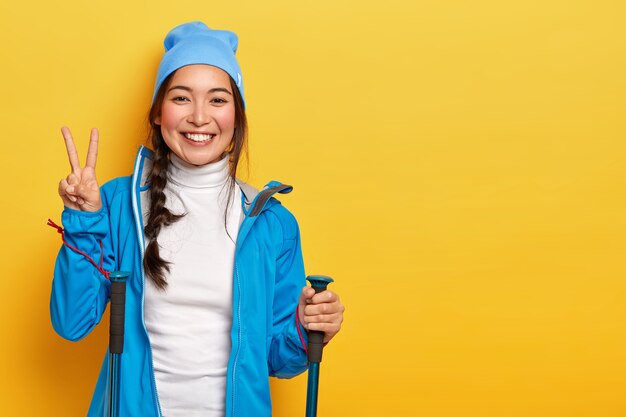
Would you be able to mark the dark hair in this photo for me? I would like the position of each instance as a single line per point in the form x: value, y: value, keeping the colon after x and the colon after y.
x: 155, y: 267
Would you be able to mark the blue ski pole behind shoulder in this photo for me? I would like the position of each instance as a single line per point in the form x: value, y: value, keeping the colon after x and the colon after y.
x: 315, y: 347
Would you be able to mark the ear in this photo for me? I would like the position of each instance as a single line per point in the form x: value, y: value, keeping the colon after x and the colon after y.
x: 157, y: 120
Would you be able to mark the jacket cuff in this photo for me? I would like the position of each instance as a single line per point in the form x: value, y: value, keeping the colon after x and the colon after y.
x: 80, y: 224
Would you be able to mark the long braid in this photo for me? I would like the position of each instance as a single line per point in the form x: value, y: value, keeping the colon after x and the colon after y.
x: 159, y: 215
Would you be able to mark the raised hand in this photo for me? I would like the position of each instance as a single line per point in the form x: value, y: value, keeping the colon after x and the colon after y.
x: 80, y: 190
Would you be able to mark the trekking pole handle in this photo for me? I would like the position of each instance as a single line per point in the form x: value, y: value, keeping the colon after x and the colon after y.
x: 316, y: 337
x: 118, y: 302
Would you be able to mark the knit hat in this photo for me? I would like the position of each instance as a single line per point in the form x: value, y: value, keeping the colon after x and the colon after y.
x: 194, y: 43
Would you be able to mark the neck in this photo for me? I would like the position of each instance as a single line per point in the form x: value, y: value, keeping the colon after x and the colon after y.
x: 187, y: 175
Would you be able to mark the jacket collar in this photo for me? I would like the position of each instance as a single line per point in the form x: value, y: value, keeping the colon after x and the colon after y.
x: 254, y: 201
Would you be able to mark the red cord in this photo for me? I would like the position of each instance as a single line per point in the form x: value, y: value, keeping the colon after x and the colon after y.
x: 99, y: 268
x: 304, y: 345
x: 300, y: 330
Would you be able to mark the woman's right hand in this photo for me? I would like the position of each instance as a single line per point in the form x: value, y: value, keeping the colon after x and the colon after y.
x: 80, y: 190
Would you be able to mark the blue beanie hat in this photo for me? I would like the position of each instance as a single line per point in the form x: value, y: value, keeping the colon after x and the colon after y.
x: 194, y: 43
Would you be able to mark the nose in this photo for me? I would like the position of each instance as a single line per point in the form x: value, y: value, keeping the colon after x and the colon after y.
x: 199, y: 115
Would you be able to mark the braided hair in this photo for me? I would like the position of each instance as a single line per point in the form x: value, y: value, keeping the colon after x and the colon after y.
x: 159, y: 215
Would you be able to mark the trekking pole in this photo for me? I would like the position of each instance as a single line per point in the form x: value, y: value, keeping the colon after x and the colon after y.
x: 315, y: 347
x: 116, y: 338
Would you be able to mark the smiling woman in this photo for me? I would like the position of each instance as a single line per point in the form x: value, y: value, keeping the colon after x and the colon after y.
x: 207, y: 255
x: 198, y: 114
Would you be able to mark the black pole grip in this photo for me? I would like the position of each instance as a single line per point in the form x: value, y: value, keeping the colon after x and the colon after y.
x: 117, y: 310
x: 316, y: 338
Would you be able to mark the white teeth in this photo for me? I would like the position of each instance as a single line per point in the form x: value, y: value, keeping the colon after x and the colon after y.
x: 198, y: 137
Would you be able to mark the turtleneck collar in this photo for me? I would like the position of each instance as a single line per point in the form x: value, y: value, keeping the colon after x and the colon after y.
x: 206, y: 176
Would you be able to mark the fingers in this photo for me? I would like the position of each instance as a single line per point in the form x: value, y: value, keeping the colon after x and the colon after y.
x: 322, y: 297
x: 329, y: 324
x: 71, y: 189
x: 63, y: 191
x: 92, y: 153
x: 79, y: 196
x: 323, y: 322
x: 309, y: 298
x: 80, y: 189
x: 71, y: 149
x: 72, y: 154
x: 72, y: 179
x: 322, y: 312
x: 323, y: 303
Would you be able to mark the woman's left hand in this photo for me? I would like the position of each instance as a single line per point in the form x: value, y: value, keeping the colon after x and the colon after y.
x: 323, y: 312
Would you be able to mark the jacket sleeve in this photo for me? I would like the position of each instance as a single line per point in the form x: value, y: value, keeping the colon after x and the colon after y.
x: 287, y: 355
x: 79, y: 291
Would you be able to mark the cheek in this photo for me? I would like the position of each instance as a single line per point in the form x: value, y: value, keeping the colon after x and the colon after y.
x: 226, y: 120
x: 169, y: 117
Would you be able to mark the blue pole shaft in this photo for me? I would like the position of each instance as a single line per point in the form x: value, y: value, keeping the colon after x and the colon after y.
x: 114, y: 399
x: 312, y: 389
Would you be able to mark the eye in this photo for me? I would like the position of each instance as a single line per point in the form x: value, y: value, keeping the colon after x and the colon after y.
x: 218, y: 100
x: 180, y: 99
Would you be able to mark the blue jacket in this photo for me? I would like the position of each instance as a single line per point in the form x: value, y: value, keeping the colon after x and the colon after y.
x: 267, y: 279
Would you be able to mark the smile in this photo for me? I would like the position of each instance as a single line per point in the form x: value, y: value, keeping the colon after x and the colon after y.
x: 199, y: 137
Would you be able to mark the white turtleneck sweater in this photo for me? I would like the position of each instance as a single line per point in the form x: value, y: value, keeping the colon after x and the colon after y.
x: 189, y: 323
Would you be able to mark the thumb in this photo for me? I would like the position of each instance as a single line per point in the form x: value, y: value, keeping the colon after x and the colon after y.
x: 306, y: 295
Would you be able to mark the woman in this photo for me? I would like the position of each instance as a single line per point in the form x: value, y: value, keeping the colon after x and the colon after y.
x: 216, y: 302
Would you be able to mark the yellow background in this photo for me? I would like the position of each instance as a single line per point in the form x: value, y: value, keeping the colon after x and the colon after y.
x: 459, y: 168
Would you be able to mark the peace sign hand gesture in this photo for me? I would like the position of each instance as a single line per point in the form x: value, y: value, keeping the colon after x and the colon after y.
x: 80, y: 191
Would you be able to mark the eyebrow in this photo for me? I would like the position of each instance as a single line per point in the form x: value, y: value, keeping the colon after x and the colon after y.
x: 212, y: 90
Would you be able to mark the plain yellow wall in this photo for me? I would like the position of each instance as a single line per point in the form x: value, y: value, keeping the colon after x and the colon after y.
x: 459, y: 168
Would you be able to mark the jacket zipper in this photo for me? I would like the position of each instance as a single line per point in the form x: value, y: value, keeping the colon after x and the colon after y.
x: 239, y: 337
x: 154, y: 390
x: 143, y: 292
x: 239, y: 331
